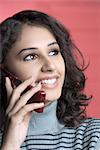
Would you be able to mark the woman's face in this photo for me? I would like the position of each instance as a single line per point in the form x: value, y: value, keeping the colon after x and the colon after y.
x: 37, y: 53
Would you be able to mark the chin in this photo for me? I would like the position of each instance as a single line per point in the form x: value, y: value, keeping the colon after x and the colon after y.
x: 52, y: 97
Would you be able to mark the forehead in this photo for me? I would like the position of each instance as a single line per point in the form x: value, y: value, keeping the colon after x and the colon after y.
x: 36, y: 35
x: 33, y: 36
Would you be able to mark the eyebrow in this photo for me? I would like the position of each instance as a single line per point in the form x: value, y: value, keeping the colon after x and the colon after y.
x: 32, y: 48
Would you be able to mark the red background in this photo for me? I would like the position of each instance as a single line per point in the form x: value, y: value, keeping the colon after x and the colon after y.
x: 82, y: 18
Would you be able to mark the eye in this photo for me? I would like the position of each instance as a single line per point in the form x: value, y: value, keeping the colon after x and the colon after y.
x: 54, y: 52
x: 30, y: 57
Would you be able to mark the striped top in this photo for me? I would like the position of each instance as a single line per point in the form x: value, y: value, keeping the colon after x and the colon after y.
x: 46, y: 133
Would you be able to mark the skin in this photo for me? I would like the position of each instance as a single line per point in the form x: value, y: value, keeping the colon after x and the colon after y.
x: 43, y: 61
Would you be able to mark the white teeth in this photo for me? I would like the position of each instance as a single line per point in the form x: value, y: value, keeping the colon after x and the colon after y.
x: 49, y: 81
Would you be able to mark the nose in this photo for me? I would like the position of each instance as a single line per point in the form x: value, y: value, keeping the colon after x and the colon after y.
x: 48, y: 65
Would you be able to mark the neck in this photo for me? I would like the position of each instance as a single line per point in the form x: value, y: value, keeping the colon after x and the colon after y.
x: 46, y: 121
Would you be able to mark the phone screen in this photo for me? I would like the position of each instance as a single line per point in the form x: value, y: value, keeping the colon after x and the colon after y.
x: 36, y: 98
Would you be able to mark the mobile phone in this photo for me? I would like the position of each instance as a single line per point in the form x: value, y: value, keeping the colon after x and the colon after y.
x: 38, y: 97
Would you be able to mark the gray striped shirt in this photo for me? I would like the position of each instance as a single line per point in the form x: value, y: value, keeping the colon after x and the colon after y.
x: 46, y: 133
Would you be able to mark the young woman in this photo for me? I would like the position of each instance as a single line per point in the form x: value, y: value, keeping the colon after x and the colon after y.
x: 37, y: 52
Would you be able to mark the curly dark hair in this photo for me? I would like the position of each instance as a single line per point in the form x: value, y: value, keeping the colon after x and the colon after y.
x: 71, y: 107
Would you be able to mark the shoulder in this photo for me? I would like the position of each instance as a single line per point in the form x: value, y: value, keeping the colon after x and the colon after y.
x: 90, y: 126
x: 90, y: 131
x: 92, y: 121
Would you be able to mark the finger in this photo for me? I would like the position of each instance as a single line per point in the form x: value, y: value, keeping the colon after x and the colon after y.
x: 27, y: 118
x: 19, y: 89
x: 8, y: 87
x: 17, y: 92
x: 24, y: 98
x: 20, y: 115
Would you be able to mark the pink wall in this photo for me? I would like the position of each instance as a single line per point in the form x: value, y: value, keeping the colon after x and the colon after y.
x: 82, y: 17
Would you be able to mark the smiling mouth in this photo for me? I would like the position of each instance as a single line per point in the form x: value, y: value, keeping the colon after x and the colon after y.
x: 48, y: 83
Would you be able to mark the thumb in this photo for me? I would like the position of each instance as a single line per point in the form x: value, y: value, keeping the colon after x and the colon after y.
x: 8, y: 87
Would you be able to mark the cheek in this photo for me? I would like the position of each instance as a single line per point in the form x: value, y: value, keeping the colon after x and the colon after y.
x: 61, y: 66
x: 26, y: 73
x: 21, y: 69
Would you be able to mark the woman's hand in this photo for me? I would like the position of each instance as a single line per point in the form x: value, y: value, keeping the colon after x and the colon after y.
x: 18, y: 113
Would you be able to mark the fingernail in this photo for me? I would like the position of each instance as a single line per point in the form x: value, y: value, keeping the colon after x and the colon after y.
x: 36, y: 84
x: 39, y: 84
x: 7, y: 79
x: 42, y: 104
